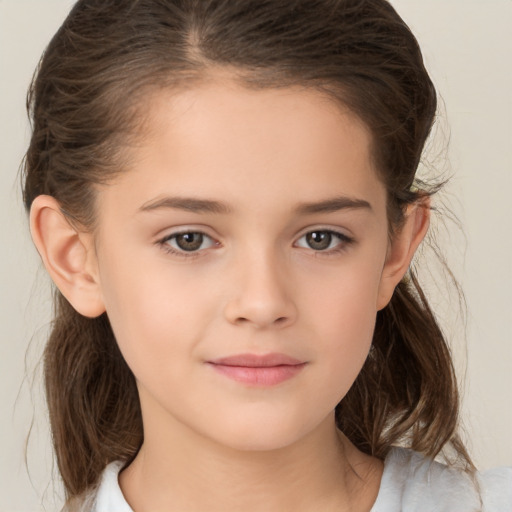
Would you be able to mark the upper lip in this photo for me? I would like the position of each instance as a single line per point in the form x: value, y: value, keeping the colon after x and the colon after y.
x: 257, y: 361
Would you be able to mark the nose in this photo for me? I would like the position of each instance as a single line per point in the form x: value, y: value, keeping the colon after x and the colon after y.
x: 261, y: 294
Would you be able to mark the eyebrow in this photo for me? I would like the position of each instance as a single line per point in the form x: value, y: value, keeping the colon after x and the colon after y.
x: 332, y: 205
x: 189, y: 204
x: 197, y: 205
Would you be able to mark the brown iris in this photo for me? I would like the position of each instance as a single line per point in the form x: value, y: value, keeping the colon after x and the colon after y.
x: 189, y: 241
x: 319, y: 240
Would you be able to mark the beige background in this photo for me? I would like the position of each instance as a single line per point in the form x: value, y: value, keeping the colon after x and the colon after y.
x: 467, y: 47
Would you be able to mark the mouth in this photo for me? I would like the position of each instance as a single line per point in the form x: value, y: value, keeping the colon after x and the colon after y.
x: 258, y: 370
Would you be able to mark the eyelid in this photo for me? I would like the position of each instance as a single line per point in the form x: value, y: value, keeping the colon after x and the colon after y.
x: 168, y: 248
x: 342, y: 232
x: 344, y: 239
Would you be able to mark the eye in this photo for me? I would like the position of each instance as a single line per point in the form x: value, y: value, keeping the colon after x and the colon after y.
x: 188, y: 241
x: 323, y: 240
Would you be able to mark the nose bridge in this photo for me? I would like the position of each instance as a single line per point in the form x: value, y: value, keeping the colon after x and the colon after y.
x: 261, y: 290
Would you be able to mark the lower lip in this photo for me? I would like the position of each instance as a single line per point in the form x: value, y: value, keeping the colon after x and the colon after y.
x: 259, y: 376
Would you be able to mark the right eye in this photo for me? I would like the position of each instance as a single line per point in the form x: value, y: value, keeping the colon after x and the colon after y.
x: 187, y: 242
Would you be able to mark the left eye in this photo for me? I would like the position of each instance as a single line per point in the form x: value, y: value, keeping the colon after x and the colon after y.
x: 322, y: 240
x: 190, y: 241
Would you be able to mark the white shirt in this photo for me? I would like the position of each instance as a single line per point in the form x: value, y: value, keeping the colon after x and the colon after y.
x: 410, y: 483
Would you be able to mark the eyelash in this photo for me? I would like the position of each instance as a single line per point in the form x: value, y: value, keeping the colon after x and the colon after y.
x: 164, y: 244
x: 344, y: 242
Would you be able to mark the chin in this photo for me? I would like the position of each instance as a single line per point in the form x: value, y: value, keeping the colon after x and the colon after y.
x: 263, y: 435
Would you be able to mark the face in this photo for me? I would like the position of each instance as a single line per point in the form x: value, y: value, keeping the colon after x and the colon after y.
x: 240, y: 260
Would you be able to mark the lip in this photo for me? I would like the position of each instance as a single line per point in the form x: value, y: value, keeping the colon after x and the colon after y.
x: 258, y: 370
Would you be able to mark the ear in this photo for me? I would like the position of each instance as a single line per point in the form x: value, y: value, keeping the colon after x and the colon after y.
x: 402, y: 249
x: 68, y: 255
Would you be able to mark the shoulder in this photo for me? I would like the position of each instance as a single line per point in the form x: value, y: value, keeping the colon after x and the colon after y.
x: 414, y: 483
x: 496, y: 486
x: 108, y: 497
x: 410, y: 483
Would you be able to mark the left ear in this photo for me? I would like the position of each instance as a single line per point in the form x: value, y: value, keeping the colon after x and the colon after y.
x: 402, y: 248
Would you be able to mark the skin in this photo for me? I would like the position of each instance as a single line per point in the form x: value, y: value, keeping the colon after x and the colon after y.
x: 279, y: 164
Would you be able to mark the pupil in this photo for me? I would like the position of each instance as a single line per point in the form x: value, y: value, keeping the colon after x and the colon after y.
x: 319, y: 240
x: 189, y: 241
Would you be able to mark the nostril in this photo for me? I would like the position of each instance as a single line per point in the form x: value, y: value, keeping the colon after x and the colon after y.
x: 278, y: 321
x: 261, y: 311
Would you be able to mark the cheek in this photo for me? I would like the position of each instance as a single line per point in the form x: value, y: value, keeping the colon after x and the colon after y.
x: 151, y: 314
x: 345, y: 296
x: 344, y: 312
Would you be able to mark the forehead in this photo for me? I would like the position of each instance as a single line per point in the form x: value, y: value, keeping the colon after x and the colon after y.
x: 249, y: 146
x: 211, y: 114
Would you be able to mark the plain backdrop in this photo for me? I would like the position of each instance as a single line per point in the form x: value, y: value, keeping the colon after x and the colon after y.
x: 467, y: 48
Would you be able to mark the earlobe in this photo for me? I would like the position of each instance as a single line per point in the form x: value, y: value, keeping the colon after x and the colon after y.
x: 402, y: 249
x: 68, y: 255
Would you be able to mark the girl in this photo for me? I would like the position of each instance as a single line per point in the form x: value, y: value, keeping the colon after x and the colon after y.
x: 224, y: 194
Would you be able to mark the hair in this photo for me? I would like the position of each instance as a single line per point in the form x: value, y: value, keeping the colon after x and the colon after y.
x: 86, y: 104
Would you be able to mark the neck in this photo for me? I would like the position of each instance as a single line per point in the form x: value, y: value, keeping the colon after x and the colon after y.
x: 322, y: 471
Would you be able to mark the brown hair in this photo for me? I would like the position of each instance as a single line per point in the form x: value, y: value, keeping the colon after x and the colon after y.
x: 85, y: 104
